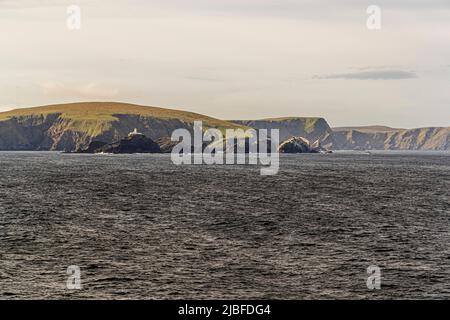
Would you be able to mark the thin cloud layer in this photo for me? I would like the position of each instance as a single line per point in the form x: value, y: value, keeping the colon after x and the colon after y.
x: 372, y: 75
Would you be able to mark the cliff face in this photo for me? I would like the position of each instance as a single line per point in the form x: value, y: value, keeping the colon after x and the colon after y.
x: 74, y: 126
x: 52, y: 132
x: 32, y: 132
x: 395, y: 139
x: 356, y: 138
x: 310, y: 128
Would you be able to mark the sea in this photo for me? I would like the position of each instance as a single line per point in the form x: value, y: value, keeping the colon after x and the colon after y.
x: 347, y: 225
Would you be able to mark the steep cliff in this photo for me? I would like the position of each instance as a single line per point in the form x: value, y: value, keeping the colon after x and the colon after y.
x: 70, y: 127
x: 310, y: 128
x: 382, y: 138
x: 356, y: 138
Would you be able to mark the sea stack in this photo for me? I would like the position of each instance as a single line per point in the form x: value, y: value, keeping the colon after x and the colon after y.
x: 135, y: 142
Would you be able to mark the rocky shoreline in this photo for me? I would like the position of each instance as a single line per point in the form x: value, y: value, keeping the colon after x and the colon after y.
x: 134, y: 143
x: 139, y: 143
x: 301, y: 145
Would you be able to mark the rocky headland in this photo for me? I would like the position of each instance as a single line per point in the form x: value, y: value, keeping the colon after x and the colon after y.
x: 134, y: 143
x: 75, y: 126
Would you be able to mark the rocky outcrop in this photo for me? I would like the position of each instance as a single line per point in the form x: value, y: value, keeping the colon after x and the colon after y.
x: 166, y: 144
x: 317, y: 147
x: 295, y: 145
x: 130, y: 144
x: 94, y: 147
x: 230, y: 145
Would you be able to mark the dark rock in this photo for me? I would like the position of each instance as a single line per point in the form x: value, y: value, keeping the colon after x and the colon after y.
x: 301, y: 145
x: 295, y: 145
x: 131, y: 144
x: 93, y: 146
x: 318, y: 148
x: 166, y: 144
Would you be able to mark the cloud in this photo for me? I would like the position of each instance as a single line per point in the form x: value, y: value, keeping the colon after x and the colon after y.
x: 372, y: 75
x: 231, y: 58
x: 90, y: 90
x: 203, y: 78
x: 25, y: 4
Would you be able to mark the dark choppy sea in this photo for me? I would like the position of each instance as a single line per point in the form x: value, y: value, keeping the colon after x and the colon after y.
x: 140, y: 227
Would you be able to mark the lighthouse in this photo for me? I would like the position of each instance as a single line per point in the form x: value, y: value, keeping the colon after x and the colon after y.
x: 135, y: 133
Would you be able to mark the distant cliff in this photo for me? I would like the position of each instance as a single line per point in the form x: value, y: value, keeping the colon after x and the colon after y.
x: 310, y: 128
x: 356, y: 138
x: 69, y: 127
x: 384, y: 138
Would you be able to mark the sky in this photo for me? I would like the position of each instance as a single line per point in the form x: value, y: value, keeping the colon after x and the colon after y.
x: 234, y: 59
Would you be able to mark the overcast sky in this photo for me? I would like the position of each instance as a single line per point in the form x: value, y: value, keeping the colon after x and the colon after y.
x: 234, y: 59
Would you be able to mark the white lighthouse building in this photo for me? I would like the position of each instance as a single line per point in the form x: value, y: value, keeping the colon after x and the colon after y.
x: 135, y: 133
